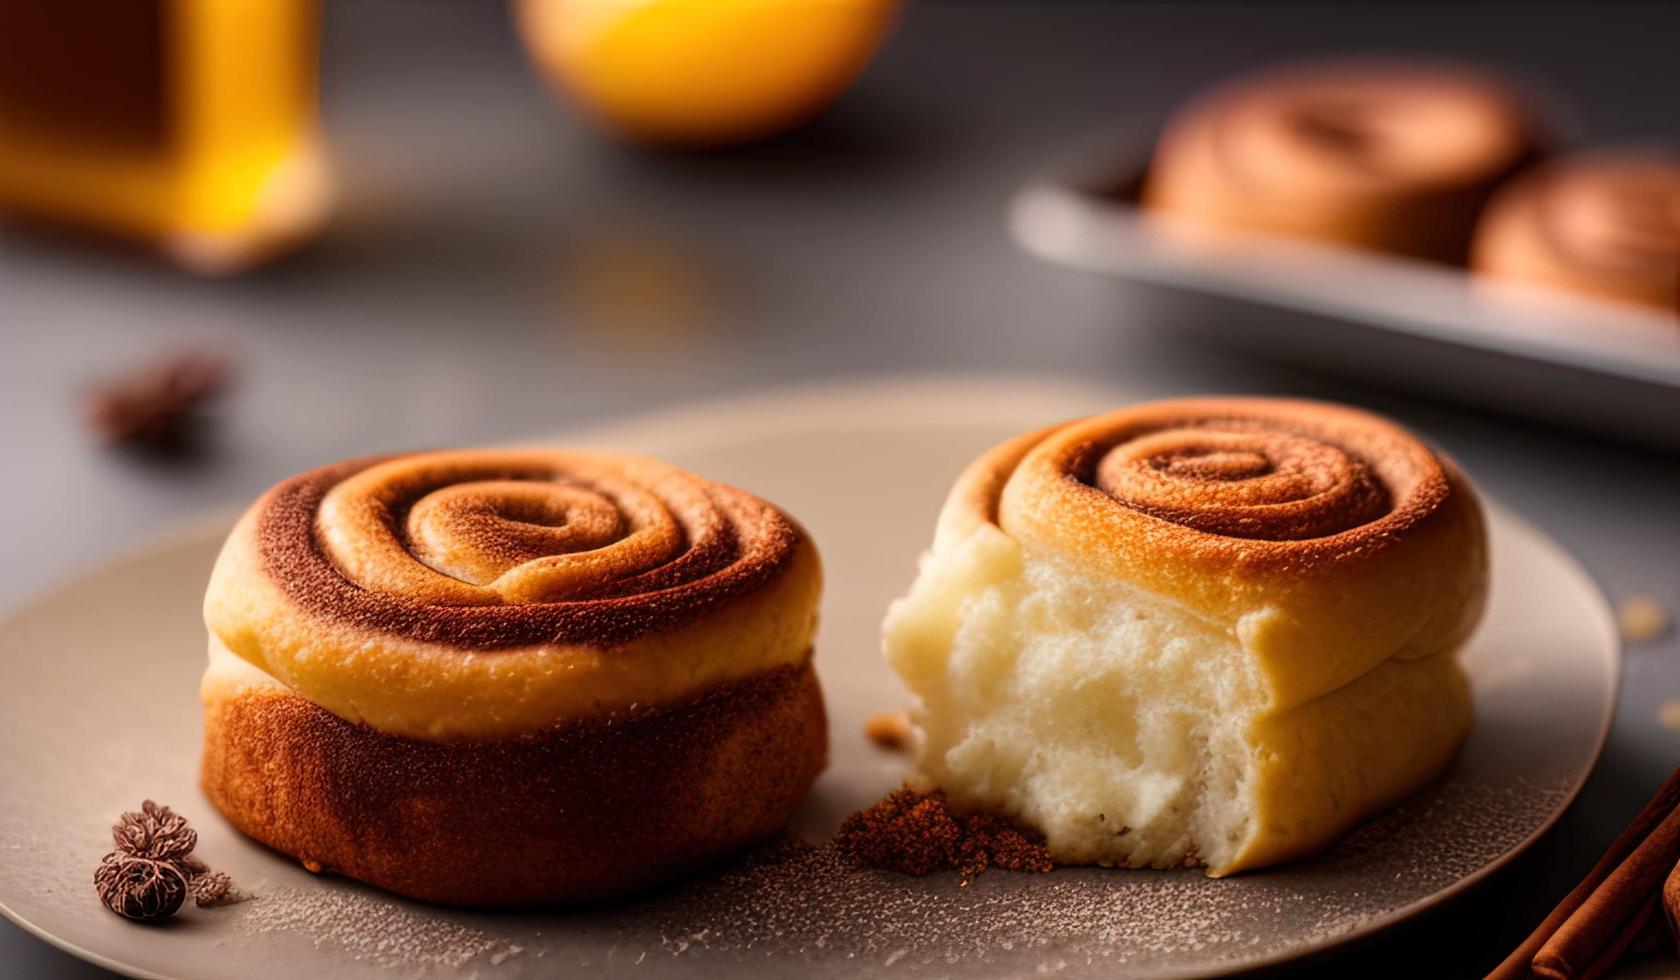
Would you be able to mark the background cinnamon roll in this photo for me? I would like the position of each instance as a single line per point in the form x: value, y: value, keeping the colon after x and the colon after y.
x: 511, y: 678
x: 1211, y: 632
x: 1391, y: 156
x: 1605, y: 224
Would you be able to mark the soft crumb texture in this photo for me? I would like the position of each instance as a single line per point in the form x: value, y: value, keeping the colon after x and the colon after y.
x: 1641, y: 619
x: 1112, y: 724
x: 889, y: 730
x: 1130, y: 731
x: 1668, y: 714
x: 919, y: 834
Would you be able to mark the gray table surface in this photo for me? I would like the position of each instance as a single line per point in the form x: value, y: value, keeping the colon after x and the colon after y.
x: 497, y: 272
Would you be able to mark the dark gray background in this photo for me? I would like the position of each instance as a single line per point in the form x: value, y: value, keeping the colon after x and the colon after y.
x: 499, y: 272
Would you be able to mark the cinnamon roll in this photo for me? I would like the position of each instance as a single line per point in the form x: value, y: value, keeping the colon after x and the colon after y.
x: 1606, y: 224
x: 1389, y: 156
x: 1204, y: 632
x: 508, y: 678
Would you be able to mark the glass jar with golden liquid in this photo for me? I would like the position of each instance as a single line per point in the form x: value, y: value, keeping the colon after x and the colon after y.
x: 188, y: 124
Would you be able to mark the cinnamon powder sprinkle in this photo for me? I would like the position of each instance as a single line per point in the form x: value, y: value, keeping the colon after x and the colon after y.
x: 919, y: 833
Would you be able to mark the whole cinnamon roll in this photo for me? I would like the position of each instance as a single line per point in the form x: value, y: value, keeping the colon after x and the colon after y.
x: 508, y: 678
x: 1390, y: 156
x: 1605, y: 224
x: 1205, y: 632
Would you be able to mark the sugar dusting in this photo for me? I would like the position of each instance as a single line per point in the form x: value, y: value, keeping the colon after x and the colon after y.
x: 374, y: 929
x: 792, y: 905
x: 792, y: 900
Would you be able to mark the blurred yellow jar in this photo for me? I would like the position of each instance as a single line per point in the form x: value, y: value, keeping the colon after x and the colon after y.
x: 703, y: 72
x: 190, y: 124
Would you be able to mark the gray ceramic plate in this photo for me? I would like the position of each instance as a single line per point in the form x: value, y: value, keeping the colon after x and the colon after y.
x: 98, y: 710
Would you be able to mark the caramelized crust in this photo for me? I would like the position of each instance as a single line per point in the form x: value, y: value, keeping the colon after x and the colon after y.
x: 585, y: 811
x: 1331, y: 539
x: 483, y: 550
x: 486, y: 594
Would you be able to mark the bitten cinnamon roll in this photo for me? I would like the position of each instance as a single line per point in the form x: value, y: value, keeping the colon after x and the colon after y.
x: 509, y: 678
x: 1606, y: 224
x: 1205, y: 632
x: 1385, y: 155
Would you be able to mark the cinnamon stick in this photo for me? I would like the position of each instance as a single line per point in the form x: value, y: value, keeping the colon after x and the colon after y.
x: 1610, y: 950
x: 1521, y: 963
x: 1606, y: 913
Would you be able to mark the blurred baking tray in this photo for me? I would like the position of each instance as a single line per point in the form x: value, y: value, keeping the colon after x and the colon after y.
x: 1589, y: 365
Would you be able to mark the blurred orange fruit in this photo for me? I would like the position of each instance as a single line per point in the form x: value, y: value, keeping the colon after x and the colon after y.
x: 703, y: 72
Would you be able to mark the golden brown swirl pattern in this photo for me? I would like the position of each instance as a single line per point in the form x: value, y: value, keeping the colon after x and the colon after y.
x: 489, y: 549
x: 488, y: 591
x: 1250, y: 511
x: 1287, y: 476
x: 1244, y: 483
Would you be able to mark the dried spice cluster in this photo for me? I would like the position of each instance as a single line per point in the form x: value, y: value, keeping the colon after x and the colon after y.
x: 157, y: 406
x: 152, y: 871
x: 919, y: 834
